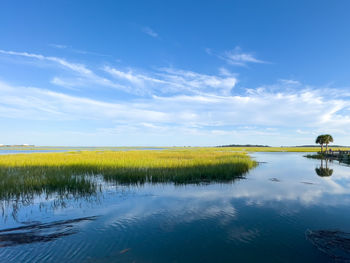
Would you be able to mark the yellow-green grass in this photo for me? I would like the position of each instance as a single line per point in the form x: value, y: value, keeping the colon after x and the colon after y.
x: 279, y: 149
x: 75, y: 172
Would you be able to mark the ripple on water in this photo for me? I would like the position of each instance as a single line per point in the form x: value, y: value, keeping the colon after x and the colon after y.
x: 44, y: 233
x: 334, y: 243
x: 240, y: 234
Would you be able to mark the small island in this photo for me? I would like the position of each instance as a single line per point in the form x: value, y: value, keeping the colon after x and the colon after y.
x: 338, y: 153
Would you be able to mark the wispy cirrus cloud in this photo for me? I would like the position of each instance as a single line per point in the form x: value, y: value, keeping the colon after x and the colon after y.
x: 83, y: 75
x: 74, y: 50
x: 236, y: 57
x: 159, y: 81
x: 170, y: 80
x: 149, y: 31
x: 200, y: 82
x: 78, y: 68
x: 131, y: 76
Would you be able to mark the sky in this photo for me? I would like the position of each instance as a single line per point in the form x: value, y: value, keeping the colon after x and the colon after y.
x: 174, y: 73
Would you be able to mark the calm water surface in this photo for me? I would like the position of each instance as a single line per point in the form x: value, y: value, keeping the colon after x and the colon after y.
x: 14, y: 150
x: 284, y: 211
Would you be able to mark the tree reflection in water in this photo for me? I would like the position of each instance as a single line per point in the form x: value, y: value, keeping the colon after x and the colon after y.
x: 324, y: 171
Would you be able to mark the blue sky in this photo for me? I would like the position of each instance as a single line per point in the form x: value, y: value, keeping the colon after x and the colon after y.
x: 161, y: 73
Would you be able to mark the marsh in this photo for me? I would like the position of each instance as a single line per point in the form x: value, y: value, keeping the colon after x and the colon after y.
x: 272, y: 213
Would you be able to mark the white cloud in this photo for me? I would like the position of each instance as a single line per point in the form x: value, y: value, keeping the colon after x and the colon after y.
x: 298, y: 111
x: 78, y: 51
x: 78, y: 68
x: 83, y: 75
x: 239, y: 58
x: 192, y: 81
x: 169, y: 80
x: 306, y: 108
x: 174, y: 102
x: 131, y: 76
x: 161, y: 81
x: 149, y: 31
x: 41, y: 104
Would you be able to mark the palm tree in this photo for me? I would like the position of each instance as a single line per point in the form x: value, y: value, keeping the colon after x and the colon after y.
x: 321, y: 140
x: 327, y: 139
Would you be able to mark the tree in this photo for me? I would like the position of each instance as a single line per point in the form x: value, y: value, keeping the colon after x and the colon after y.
x: 327, y: 140
x: 320, y: 140
x: 324, y: 139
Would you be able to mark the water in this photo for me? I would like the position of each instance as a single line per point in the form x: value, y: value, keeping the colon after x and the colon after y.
x: 13, y: 151
x: 274, y: 215
x: 16, y: 150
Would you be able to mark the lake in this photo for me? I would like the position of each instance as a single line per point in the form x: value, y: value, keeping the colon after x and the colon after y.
x: 288, y: 209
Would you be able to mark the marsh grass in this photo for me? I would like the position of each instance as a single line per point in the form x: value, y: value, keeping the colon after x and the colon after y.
x: 317, y: 156
x: 75, y: 173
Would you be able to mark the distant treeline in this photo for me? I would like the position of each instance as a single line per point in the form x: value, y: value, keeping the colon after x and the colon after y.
x: 258, y: 145
x: 243, y: 145
x: 333, y: 146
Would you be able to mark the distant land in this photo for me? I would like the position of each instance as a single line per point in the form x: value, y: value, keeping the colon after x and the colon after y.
x: 300, y: 146
x: 330, y: 145
x: 228, y: 145
x: 243, y: 145
x: 17, y: 145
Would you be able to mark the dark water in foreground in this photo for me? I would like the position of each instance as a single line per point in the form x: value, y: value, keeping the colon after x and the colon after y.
x: 284, y: 211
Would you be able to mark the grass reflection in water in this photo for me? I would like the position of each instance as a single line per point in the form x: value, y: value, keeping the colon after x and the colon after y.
x: 75, y: 174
